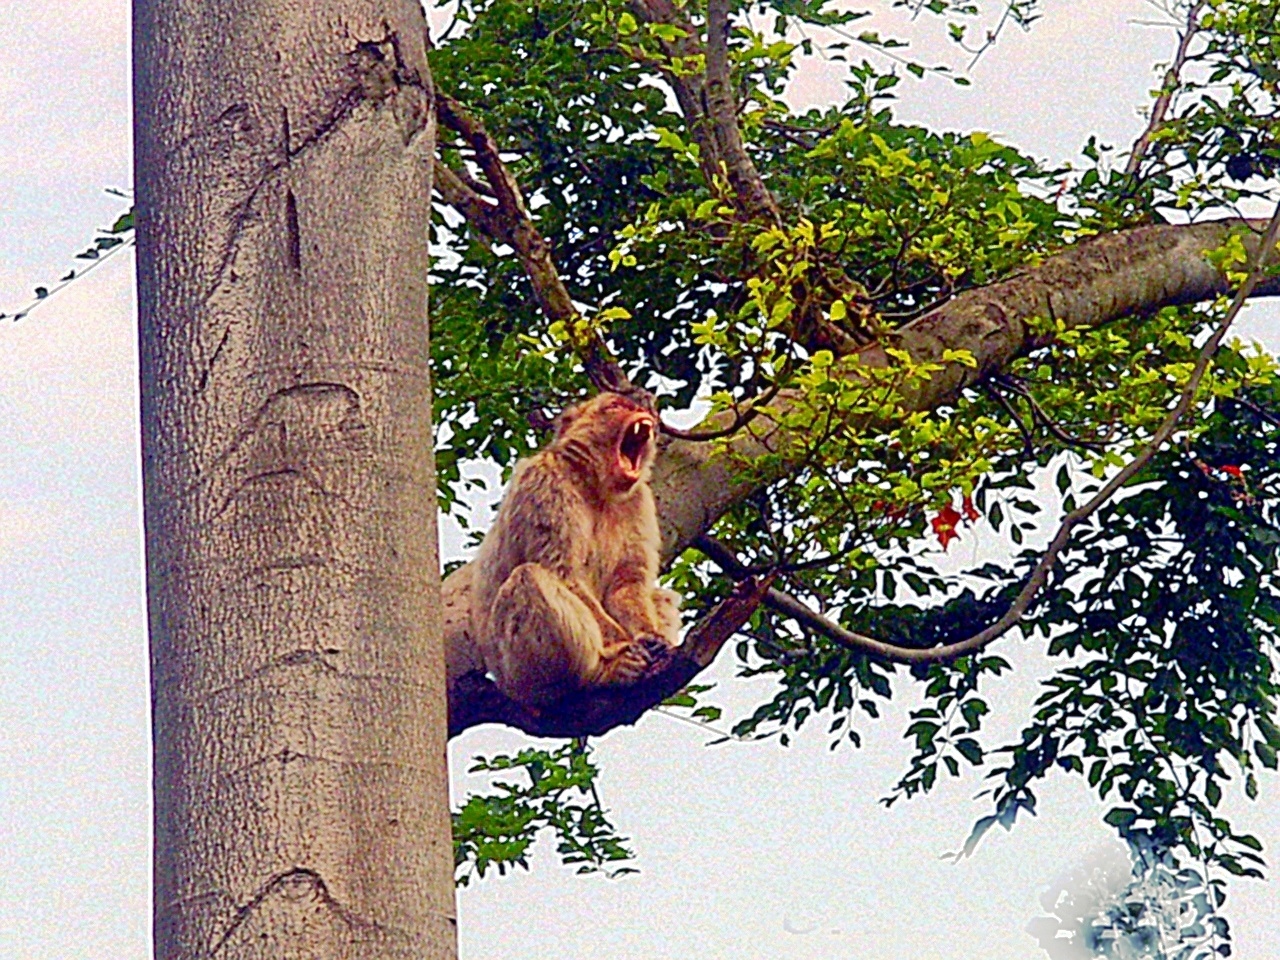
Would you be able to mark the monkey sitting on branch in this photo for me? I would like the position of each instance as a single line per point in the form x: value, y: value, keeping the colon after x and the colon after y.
x: 561, y: 597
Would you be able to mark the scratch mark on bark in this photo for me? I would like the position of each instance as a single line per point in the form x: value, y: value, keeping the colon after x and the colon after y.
x: 293, y: 235
x: 264, y: 417
x: 379, y: 73
x: 207, y: 372
x: 294, y: 885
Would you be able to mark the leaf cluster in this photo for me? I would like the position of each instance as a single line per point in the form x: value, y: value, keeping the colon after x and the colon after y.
x: 497, y: 829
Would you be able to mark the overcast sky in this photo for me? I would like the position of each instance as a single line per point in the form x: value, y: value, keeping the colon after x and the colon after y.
x: 745, y: 851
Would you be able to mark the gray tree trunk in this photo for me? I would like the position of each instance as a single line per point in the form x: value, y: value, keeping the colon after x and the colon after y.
x: 283, y: 171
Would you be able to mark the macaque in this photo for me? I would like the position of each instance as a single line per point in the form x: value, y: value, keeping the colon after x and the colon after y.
x: 562, y: 592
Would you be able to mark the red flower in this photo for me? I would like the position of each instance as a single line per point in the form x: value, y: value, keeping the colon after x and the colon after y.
x: 970, y: 511
x: 944, y: 525
x: 1231, y: 470
x: 894, y: 511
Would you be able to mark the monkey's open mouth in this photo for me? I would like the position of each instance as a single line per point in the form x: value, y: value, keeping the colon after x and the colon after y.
x: 634, y: 444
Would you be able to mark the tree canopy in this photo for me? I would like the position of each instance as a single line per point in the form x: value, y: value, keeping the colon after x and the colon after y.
x: 893, y: 332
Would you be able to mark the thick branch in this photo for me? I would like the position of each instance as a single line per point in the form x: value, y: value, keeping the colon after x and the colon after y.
x: 475, y: 699
x: 1090, y: 284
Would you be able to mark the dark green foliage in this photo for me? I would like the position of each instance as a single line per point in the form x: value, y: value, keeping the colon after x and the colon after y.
x: 1168, y: 612
x: 498, y: 829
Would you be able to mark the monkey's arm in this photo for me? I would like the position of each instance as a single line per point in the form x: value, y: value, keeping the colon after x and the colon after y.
x: 612, y: 632
x: 549, y: 524
x: 629, y: 595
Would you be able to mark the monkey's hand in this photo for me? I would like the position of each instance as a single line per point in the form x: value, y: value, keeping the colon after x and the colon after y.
x: 655, y: 646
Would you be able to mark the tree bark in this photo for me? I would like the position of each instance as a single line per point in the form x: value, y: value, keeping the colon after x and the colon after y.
x: 283, y: 169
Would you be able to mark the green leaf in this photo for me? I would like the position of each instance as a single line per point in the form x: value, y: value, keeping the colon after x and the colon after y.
x: 1121, y: 817
x: 969, y: 749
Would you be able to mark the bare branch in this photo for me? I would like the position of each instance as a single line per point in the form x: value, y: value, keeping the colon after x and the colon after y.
x: 707, y: 104
x: 1039, y: 415
x: 460, y: 195
x: 1028, y: 445
x: 508, y: 221
x: 1169, y: 86
x: 741, y: 417
x: 802, y: 613
x: 752, y: 197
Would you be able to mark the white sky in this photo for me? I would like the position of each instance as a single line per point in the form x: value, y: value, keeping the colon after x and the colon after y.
x: 746, y: 851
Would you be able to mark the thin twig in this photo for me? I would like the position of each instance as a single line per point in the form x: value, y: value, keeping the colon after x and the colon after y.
x: 740, y: 419
x: 1041, y: 416
x: 1028, y: 444
x: 66, y: 281
x: 1260, y: 410
x: 1172, y: 80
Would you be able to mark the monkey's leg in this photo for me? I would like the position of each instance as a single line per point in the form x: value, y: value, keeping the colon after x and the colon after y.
x: 630, y: 597
x: 550, y: 642
x: 667, y: 605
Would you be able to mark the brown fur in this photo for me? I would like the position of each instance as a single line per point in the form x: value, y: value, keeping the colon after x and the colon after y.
x: 562, y: 593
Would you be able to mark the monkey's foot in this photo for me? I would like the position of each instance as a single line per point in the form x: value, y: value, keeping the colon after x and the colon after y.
x: 655, y: 646
x: 629, y: 664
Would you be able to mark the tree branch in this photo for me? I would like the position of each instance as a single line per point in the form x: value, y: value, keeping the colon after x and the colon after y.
x: 792, y: 607
x: 507, y: 220
x: 1090, y: 284
x: 687, y: 87
x: 707, y: 104
x: 789, y: 606
x: 457, y: 193
x: 1168, y: 88
x: 475, y: 699
x: 753, y: 198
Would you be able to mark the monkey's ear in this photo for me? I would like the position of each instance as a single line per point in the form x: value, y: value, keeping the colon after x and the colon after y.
x: 566, y: 418
x: 644, y: 400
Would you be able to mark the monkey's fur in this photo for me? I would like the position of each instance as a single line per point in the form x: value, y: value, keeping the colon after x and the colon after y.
x: 561, y: 595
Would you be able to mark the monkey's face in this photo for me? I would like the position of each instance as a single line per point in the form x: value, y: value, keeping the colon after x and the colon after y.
x: 620, y: 433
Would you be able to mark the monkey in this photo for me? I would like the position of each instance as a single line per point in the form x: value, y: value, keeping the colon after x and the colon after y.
x: 562, y: 594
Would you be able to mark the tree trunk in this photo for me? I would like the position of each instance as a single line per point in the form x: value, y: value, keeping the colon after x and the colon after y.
x: 283, y: 171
